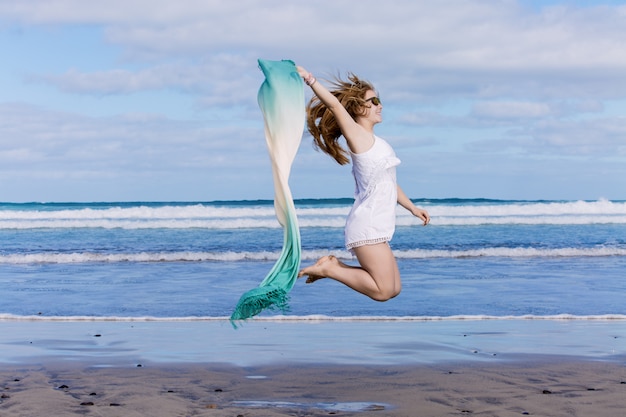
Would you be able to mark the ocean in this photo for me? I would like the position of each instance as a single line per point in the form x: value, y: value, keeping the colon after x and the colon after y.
x: 167, y: 261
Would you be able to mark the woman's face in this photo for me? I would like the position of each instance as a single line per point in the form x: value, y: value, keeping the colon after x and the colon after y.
x: 373, y: 107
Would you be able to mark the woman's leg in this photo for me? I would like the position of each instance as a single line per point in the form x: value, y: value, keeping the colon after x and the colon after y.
x: 378, y: 276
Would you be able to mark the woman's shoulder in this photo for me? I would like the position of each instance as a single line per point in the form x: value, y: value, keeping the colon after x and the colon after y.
x: 379, y: 148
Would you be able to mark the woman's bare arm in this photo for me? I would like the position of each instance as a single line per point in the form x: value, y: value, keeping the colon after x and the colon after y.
x: 359, y: 140
x: 406, y: 202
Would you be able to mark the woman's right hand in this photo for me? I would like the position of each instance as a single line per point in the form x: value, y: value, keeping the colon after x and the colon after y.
x: 303, y: 73
x: 308, y: 78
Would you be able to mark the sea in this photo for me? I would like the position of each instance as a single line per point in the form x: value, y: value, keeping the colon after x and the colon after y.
x: 167, y: 261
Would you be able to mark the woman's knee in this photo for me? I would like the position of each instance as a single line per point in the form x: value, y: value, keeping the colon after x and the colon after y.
x: 379, y: 262
x: 386, y: 294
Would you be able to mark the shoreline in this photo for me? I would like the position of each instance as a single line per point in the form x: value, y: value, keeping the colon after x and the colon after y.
x: 262, y: 342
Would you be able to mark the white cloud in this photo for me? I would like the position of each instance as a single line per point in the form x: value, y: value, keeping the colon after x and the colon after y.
x: 479, y: 48
x: 210, y: 80
x: 491, y: 114
x: 598, y: 137
x: 112, y: 11
x: 511, y: 110
x: 601, y: 139
x: 41, y: 140
x: 496, y: 78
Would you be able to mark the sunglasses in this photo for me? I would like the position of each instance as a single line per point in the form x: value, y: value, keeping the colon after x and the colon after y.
x: 375, y: 101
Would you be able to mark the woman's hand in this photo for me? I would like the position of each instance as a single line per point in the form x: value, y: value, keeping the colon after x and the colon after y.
x: 421, y: 214
x: 406, y: 202
x: 308, y: 78
x: 303, y: 73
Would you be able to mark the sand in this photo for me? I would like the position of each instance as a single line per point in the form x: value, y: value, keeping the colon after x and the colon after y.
x: 567, y: 388
x: 551, y: 368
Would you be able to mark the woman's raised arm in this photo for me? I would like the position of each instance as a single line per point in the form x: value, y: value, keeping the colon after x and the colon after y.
x: 352, y: 131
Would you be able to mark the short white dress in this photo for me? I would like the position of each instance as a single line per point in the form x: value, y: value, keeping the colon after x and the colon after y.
x: 373, y: 216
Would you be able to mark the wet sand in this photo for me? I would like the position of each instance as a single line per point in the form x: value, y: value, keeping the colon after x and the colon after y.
x: 480, y: 368
x: 578, y: 388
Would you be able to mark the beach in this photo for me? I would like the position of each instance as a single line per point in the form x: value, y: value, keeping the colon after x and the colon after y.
x: 281, y: 368
x: 508, y: 308
x: 562, y: 388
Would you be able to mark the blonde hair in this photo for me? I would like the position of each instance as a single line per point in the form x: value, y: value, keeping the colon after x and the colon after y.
x: 322, y: 124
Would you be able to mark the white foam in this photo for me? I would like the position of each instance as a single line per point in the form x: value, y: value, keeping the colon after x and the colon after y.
x: 512, y: 253
x: 316, y: 318
x: 89, y: 257
x: 263, y: 216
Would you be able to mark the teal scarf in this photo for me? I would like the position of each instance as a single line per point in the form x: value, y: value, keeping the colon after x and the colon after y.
x: 281, y: 99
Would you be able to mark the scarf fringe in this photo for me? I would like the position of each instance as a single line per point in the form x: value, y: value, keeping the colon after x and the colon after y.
x: 258, y: 299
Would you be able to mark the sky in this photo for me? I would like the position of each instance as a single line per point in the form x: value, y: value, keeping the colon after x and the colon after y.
x: 153, y: 100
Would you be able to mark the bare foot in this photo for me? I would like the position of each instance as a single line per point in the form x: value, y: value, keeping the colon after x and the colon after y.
x: 312, y: 278
x: 319, y: 270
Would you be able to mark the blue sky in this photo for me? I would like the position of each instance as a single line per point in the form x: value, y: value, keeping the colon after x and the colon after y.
x: 143, y: 100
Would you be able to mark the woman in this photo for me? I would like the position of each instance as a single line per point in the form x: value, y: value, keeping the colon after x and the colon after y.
x: 351, y: 110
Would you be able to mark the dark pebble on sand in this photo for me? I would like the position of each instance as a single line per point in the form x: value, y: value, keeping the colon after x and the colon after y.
x: 93, y: 393
x: 5, y: 396
x: 219, y: 390
x: 97, y: 335
x: 114, y: 405
x: 546, y: 391
x: 64, y: 387
x: 86, y: 403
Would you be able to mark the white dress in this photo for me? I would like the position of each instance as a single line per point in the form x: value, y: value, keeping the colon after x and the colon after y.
x: 373, y: 216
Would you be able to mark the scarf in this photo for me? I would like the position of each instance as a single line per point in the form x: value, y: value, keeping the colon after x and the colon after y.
x: 281, y: 99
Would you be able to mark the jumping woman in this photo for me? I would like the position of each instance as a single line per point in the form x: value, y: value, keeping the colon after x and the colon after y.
x: 351, y: 110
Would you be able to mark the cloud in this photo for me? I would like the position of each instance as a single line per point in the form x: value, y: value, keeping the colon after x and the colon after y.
x: 41, y: 140
x: 598, y: 137
x: 195, y: 79
x: 601, y: 139
x: 484, y: 114
x: 481, y: 49
x: 123, y: 81
x: 486, y: 86
x: 536, y: 129
x: 511, y: 110
x: 36, y: 12
x: 448, y: 33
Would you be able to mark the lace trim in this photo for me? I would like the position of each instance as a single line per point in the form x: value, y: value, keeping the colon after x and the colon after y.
x: 367, y: 242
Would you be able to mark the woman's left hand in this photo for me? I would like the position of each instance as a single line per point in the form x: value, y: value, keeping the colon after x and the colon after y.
x: 422, y: 214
